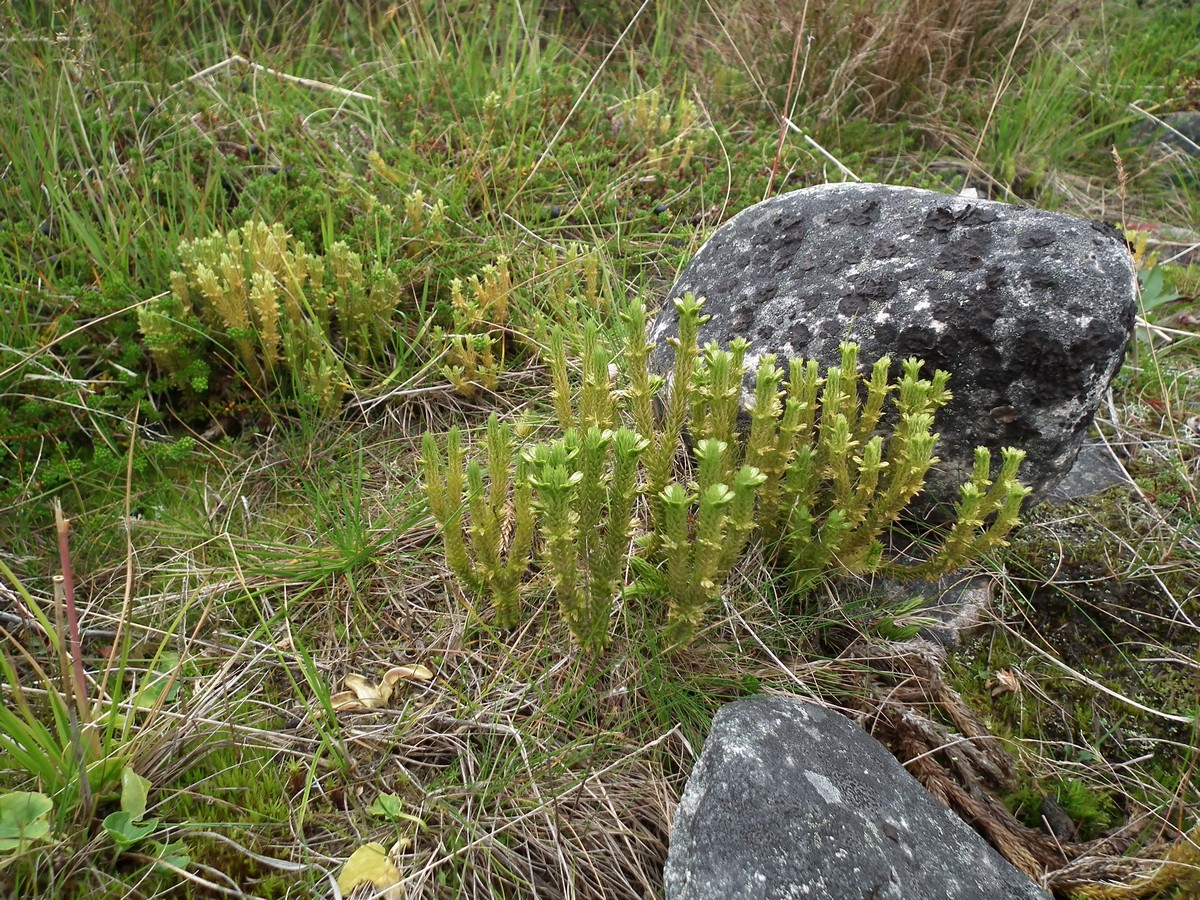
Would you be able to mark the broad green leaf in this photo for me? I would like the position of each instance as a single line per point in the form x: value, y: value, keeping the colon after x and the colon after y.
x: 387, y: 806
x: 23, y: 819
x: 391, y: 807
x: 134, y: 790
x: 151, y: 692
x: 124, y: 831
x: 171, y: 854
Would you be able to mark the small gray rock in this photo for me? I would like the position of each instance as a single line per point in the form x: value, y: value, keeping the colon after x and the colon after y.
x: 1030, y: 311
x: 1179, y: 131
x: 1095, y: 471
x: 955, y: 604
x: 790, y: 800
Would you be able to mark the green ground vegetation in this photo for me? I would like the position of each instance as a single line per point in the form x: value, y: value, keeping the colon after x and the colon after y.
x: 265, y: 265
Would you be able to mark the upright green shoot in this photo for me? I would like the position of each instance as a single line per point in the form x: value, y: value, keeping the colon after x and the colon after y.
x: 490, y: 553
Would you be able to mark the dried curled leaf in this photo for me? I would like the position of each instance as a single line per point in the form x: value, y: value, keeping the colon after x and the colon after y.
x: 362, y: 693
x: 1004, y: 681
x: 413, y: 672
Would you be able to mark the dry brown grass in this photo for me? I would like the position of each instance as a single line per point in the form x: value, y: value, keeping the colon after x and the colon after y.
x: 859, y: 58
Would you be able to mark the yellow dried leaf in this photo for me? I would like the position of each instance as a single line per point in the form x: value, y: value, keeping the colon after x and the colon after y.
x: 362, y: 694
x: 414, y: 672
x: 368, y: 864
x: 371, y: 694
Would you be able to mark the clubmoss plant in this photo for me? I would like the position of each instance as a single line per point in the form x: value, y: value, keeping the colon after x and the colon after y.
x: 696, y: 558
x: 670, y: 427
x: 292, y: 319
x: 641, y: 386
x: 715, y: 393
x: 815, y: 475
x: 695, y: 535
x: 489, y: 553
x: 570, y: 286
x: 598, y: 401
x: 586, y: 491
x: 474, y: 347
x: 984, y: 515
x: 664, y: 128
x: 844, y: 485
x: 829, y: 479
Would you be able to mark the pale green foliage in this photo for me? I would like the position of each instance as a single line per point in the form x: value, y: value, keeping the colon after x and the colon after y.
x: 664, y: 127
x: 843, y: 488
x: 473, y: 348
x: 597, y: 406
x: 293, y: 319
x: 586, y: 491
x: 24, y: 819
x: 490, y: 314
x: 834, y: 485
x: 487, y: 522
x: 641, y: 387
x: 668, y: 432
x: 695, y: 559
x: 985, y: 513
x: 698, y: 559
x: 560, y: 380
x: 826, y: 467
x: 570, y: 284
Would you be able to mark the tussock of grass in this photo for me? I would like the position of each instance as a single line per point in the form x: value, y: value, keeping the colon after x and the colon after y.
x: 256, y: 551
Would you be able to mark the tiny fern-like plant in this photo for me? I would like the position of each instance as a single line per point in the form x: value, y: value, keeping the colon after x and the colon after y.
x: 987, y: 510
x: 668, y: 429
x: 487, y: 522
x: 473, y: 348
x: 844, y: 485
x: 833, y: 466
x: 700, y: 535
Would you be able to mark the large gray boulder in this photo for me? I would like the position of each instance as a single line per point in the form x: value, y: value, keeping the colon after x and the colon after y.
x: 790, y: 800
x: 1030, y: 311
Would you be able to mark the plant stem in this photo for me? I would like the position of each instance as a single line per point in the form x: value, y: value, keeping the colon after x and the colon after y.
x: 62, y: 526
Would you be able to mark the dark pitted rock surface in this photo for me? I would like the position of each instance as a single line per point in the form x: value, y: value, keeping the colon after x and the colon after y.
x: 790, y: 800
x: 1030, y: 311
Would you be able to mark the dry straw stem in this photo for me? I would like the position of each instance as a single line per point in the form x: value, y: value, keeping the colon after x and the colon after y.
x: 519, y: 792
x: 240, y: 61
x: 549, y: 149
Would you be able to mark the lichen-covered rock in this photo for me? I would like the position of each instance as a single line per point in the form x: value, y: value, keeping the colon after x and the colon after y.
x: 790, y: 800
x: 1030, y: 311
